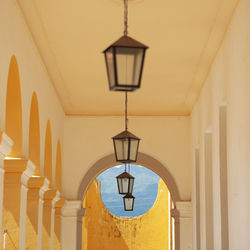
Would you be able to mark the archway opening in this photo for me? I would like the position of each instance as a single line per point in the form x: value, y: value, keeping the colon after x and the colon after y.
x: 145, y: 190
x: 89, y: 182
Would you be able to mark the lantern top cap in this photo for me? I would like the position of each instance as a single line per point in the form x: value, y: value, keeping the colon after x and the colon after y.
x: 127, y: 41
x: 125, y: 175
x: 128, y: 195
x: 126, y: 134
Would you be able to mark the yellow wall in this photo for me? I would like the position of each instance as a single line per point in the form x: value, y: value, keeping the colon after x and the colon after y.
x: 48, y: 155
x: 104, y: 231
x: 13, y: 119
x: 34, y: 134
x: 58, y: 176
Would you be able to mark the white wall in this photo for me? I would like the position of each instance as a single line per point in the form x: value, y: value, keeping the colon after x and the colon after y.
x: 16, y: 40
x: 87, y: 139
x: 228, y: 83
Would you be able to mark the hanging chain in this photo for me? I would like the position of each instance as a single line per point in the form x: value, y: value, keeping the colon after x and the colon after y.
x: 125, y: 17
x: 126, y: 110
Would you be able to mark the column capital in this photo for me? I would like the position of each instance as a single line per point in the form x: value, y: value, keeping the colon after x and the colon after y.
x: 56, y: 199
x: 36, y: 182
x: 28, y: 173
x: 73, y: 209
x: 60, y: 203
x: 15, y: 165
x: 44, y: 188
x: 50, y: 194
x: 183, y: 209
x: 5, y: 144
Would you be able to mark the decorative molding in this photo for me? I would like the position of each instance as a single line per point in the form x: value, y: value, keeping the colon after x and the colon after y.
x: 73, y: 209
x: 44, y: 188
x: 183, y: 209
x: 5, y: 145
x: 36, y: 182
x: 28, y: 173
x: 56, y: 199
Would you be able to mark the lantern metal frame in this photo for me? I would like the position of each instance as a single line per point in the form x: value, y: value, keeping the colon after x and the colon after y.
x: 126, y: 135
x: 129, y: 43
x: 128, y: 196
x: 123, y: 42
x: 131, y: 179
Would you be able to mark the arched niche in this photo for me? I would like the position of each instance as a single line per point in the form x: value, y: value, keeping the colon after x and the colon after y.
x: 48, y: 154
x: 13, y: 115
x: 58, y: 176
x: 34, y: 134
x: 142, y: 159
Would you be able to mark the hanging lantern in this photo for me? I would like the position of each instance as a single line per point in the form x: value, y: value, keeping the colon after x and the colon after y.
x: 128, y: 200
x: 126, y: 147
x: 124, y: 60
x: 125, y: 183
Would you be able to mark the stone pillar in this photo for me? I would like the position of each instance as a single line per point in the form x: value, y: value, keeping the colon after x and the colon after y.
x: 27, y: 174
x: 47, y: 212
x: 52, y: 224
x: 42, y: 191
x: 34, y: 185
x: 71, y: 225
x: 182, y: 214
x: 14, y: 168
x: 57, y: 226
x: 5, y: 149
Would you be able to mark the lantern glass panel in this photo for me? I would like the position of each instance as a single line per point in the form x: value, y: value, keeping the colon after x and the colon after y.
x: 125, y: 182
x: 119, y: 182
x: 109, y: 56
x: 131, y: 184
x: 128, y: 202
x: 129, y: 62
x: 134, y: 143
x: 121, y: 148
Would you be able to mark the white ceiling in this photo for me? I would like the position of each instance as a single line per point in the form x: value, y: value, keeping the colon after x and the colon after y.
x: 183, y: 36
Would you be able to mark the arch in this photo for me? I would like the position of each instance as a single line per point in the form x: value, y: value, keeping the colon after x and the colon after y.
x: 48, y: 154
x: 58, y: 178
x: 13, y: 115
x: 34, y: 134
x: 142, y: 159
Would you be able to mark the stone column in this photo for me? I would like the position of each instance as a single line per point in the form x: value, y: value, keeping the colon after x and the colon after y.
x: 57, y: 226
x: 42, y: 191
x: 52, y: 224
x: 14, y: 168
x: 71, y: 225
x: 34, y: 185
x: 27, y: 174
x: 5, y: 149
x: 47, y: 212
x: 182, y: 214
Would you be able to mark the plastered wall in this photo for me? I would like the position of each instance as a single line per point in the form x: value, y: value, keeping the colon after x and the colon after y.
x: 16, y: 41
x: 226, y: 93
x: 102, y: 230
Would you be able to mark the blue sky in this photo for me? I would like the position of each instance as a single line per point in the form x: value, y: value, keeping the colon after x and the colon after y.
x: 145, y: 190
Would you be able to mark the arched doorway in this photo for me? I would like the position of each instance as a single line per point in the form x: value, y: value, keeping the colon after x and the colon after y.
x: 144, y: 160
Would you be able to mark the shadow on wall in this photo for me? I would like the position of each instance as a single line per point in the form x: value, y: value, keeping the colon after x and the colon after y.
x: 99, y: 229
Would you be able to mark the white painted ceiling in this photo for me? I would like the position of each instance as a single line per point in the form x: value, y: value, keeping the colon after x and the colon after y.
x: 183, y: 35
